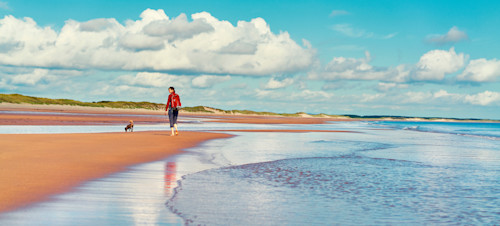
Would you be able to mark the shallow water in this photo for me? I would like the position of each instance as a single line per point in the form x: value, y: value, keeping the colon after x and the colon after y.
x: 392, y: 176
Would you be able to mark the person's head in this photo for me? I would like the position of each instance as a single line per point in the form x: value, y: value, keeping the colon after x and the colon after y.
x: 171, y: 89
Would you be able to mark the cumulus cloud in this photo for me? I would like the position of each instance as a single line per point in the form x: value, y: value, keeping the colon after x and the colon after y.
x: 484, y: 98
x: 384, y: 87
x: 454, y: 35
x: 155, y: 42
x: 178, y: 28
x: 154, y: 79
x: 435, y: 64
x: 481, y: 70
x: 311, y: 96
x: 32, y: 78
x: 277, y: 84
x: 432, y: 66
x: 436, y: 98
x: 341, y: 68
x: 208, y: 81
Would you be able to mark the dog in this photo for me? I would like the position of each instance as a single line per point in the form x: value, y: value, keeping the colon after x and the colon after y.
x: 130, y: 126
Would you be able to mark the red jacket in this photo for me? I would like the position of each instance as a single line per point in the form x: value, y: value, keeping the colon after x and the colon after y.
x: 173, y: 101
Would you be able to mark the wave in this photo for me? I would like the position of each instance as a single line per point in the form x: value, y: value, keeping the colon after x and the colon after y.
x: 489, y: 131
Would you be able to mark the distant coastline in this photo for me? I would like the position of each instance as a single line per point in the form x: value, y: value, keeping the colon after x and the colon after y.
x: 149, y: 106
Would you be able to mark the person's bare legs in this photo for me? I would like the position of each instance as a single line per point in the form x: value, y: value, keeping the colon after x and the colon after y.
x: 176, y: 130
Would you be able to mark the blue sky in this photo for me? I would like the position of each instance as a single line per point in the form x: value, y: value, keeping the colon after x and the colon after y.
x: 414, y: 58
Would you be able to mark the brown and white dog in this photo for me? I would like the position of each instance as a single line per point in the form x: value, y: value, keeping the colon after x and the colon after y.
x: 130, y: 126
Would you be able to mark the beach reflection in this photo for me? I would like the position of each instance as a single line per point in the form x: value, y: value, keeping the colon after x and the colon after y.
x: 170, y: 178
x: 134, y: 197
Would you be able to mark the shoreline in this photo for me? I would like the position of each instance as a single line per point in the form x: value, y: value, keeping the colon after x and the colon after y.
x: 37, y: 166
x: 56, y: 163
x: 51, y: 115
x: 217, y: 116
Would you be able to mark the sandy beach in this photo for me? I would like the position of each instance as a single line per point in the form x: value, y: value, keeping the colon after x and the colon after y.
x: 19, y: 114
x: 36, y: 166
x: 311, y: 173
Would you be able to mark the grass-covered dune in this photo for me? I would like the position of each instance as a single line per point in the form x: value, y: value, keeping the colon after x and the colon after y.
x: 22, y: 99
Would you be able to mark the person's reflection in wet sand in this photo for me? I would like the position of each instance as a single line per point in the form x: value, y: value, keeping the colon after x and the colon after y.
x: 170, y: 178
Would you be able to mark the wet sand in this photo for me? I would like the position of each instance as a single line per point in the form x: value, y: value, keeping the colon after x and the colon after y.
x: 45, y: 116
x: 36, y: 166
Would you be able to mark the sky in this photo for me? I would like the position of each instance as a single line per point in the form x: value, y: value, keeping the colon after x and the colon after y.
x: 408, y: 58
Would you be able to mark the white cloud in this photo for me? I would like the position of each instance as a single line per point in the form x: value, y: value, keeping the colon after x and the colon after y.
x: 432, y: 66
x: 154, y: 79
x: 341, y: 68
x: 435, y: 64
x: 178, y: 28
x: 384, y: 87
x: 372, y: 97
x: 208, y: 81
x: 442, y: 97
x: 31, y: 78
x: 454, y: 35
x: 276, y: 84
x: 484, y: 98
x: 436, y: 98
x: 481, y: 70
x: 335, y: 13
x: 304, y: 95
x: 155, y: 42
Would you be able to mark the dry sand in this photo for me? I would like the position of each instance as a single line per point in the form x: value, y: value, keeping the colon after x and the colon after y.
x: 36, y: 166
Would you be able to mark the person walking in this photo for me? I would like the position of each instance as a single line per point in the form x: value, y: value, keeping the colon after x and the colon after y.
x: 173, y: 106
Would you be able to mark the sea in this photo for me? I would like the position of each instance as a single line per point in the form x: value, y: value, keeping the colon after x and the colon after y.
x: 379, y: 173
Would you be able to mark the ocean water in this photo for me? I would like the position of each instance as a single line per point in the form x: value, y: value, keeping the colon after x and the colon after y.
x: 385, y: 173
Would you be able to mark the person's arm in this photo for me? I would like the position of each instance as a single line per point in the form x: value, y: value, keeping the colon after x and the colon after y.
x: 168, y: 102
x: 179, y: 99
x: 166, y: 106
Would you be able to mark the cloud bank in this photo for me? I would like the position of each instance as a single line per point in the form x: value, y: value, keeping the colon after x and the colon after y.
x: 155, y: 42
x: 432, y: 66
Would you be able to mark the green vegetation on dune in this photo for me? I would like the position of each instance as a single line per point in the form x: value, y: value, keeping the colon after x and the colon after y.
x: 196, y: 109
x: 19, y: 99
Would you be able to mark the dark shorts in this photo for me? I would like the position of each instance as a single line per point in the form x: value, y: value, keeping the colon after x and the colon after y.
x: 172, y: 116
